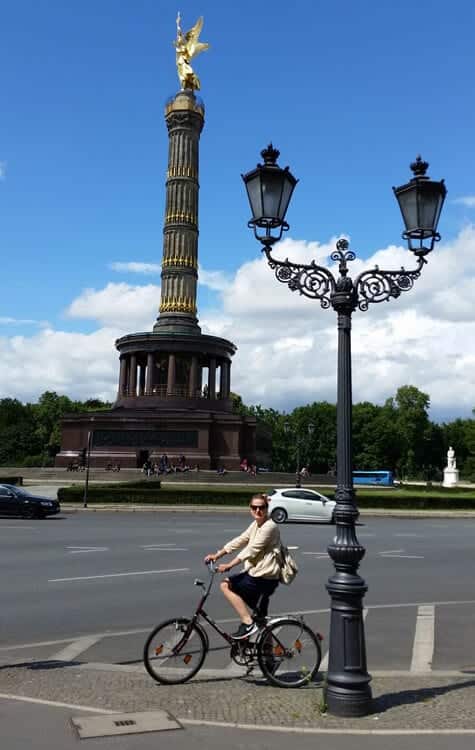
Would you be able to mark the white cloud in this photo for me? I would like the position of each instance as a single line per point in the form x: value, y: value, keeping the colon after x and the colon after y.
x: 287, y: 344
x: 218, y: 281
x: 6, y: 321
x: 77, y: 364
x: 466, y: 200
x: 129, y: 307
x: 134, y: 267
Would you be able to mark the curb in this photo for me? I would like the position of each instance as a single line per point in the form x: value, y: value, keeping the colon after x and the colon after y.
x: 373, y: 512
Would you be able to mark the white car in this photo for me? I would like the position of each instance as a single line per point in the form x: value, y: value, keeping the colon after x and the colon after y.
x: 299, y: 504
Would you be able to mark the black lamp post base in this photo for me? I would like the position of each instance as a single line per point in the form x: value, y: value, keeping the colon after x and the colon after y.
x: 348, y: 691
x: 349, y: 702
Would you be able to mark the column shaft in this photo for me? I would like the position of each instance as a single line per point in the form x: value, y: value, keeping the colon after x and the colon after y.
x: 122, y: 375
x: 133, y: 375
x: 212, y: 378
x: 171, y: 375
x: 193, y: 377
x: 149, y: 375
x: 222, y: 380
x: 142, y: 379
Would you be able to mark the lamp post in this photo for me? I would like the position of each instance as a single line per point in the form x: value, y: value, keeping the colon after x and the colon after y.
x: 269, y: 189
x: 88, y: 462
x: 299, y: 440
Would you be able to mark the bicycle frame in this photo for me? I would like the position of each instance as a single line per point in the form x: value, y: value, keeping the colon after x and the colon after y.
x: 200, y: 612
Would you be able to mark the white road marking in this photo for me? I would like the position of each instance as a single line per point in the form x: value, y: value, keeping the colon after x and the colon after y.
x: 158, y: 544
x: 324, y: 663
x: 31, y: 528
x: 423, y: 647
x: 399, y: 553
x: 57, y: 704
x: 165, y: 549
x: 118, y: 575
x: 76, y: 648
x: 318, y: 554
x: 406, y: 557
x: 79, y: 550
x: 409, y: 533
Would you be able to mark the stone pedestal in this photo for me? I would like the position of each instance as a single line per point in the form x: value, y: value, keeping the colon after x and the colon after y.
x: 451, y: 477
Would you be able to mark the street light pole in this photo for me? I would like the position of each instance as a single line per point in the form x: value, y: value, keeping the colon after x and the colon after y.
x: 298, y: 445
x: 269, y: 190
x: 88, y: 461
x: 297, y: 468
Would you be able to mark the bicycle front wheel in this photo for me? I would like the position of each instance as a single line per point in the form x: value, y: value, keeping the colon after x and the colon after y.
x: 174, y: 651
x: 289, y: 653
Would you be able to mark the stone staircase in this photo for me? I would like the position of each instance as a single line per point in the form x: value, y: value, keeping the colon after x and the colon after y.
x: 263, y: 479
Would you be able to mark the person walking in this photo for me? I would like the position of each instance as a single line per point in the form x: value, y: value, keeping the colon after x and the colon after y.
x: 260, y: 545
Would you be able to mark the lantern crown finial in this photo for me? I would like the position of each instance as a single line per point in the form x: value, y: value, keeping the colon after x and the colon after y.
x: 419, y: 167
x: 270, y: 155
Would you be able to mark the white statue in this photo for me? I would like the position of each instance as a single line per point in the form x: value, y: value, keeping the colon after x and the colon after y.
x: 451, y: 474
x: 451, y: 462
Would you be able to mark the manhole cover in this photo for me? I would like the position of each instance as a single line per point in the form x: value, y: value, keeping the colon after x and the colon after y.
x: 130, y: 723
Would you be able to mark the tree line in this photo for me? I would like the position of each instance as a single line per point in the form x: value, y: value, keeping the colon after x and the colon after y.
x: 397, y: 435
x: 30, y: 434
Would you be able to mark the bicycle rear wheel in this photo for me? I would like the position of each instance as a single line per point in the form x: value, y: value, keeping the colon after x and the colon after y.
x: 289, y: 653
x: 175, y: 651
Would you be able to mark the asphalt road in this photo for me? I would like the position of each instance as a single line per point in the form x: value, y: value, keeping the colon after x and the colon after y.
x: 81, y: 574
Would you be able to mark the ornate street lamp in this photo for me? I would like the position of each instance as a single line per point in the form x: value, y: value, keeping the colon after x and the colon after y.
x: 348, y: 691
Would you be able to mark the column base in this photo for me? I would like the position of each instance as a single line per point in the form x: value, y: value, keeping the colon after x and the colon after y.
x: 176, y: 324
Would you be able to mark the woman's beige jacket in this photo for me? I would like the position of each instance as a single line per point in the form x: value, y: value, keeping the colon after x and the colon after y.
x: 261, y: 549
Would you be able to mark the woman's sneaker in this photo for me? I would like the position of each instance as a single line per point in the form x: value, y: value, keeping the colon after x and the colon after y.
x: 244, y: 631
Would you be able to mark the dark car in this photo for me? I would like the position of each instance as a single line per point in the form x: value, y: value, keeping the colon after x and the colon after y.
x: 15, y: 501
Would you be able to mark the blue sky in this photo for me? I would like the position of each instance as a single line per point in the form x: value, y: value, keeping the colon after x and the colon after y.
x: 349, y: 92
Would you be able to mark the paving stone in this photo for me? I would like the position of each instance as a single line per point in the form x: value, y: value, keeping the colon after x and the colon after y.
x: 425, y: 702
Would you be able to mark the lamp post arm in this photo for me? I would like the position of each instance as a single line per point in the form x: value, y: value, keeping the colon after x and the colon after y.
x: 376, y: 285
x: 312, y: 280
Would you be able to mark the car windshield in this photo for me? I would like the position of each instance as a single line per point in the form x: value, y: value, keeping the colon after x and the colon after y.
x: 17, y: 490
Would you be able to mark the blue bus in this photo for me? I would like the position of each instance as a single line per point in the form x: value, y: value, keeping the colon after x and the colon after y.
x: 380, y: 478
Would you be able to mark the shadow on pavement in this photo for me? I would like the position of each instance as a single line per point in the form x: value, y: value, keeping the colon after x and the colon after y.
x: 44, y: 664
x: 404, y: 697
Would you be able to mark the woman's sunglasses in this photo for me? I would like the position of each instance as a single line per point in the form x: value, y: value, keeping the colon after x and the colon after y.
x: 258, y: 507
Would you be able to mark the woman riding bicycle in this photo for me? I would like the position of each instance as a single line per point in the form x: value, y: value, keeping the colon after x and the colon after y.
x: 260, y: 578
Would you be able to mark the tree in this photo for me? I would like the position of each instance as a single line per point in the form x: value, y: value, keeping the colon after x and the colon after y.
x: 377, y: 442
x: 412, y: 419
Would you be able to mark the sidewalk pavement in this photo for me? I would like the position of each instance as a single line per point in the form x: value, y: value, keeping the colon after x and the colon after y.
x: 401, y: 702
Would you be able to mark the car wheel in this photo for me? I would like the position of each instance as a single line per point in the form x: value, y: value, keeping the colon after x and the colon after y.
x: 279, y: 515
x: 29, y: 512
x: 333, y: 519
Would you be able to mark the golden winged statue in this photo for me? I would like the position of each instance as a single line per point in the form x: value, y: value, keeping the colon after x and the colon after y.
x: 187, y: 46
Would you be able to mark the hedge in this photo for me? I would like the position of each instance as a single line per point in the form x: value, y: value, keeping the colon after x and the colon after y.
x: 144, y: 493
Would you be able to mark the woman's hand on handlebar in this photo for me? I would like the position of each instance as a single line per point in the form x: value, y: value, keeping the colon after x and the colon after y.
x: 211, y: 558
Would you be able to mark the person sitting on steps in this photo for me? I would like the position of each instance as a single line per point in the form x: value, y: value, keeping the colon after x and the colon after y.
x: 260, y: 577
